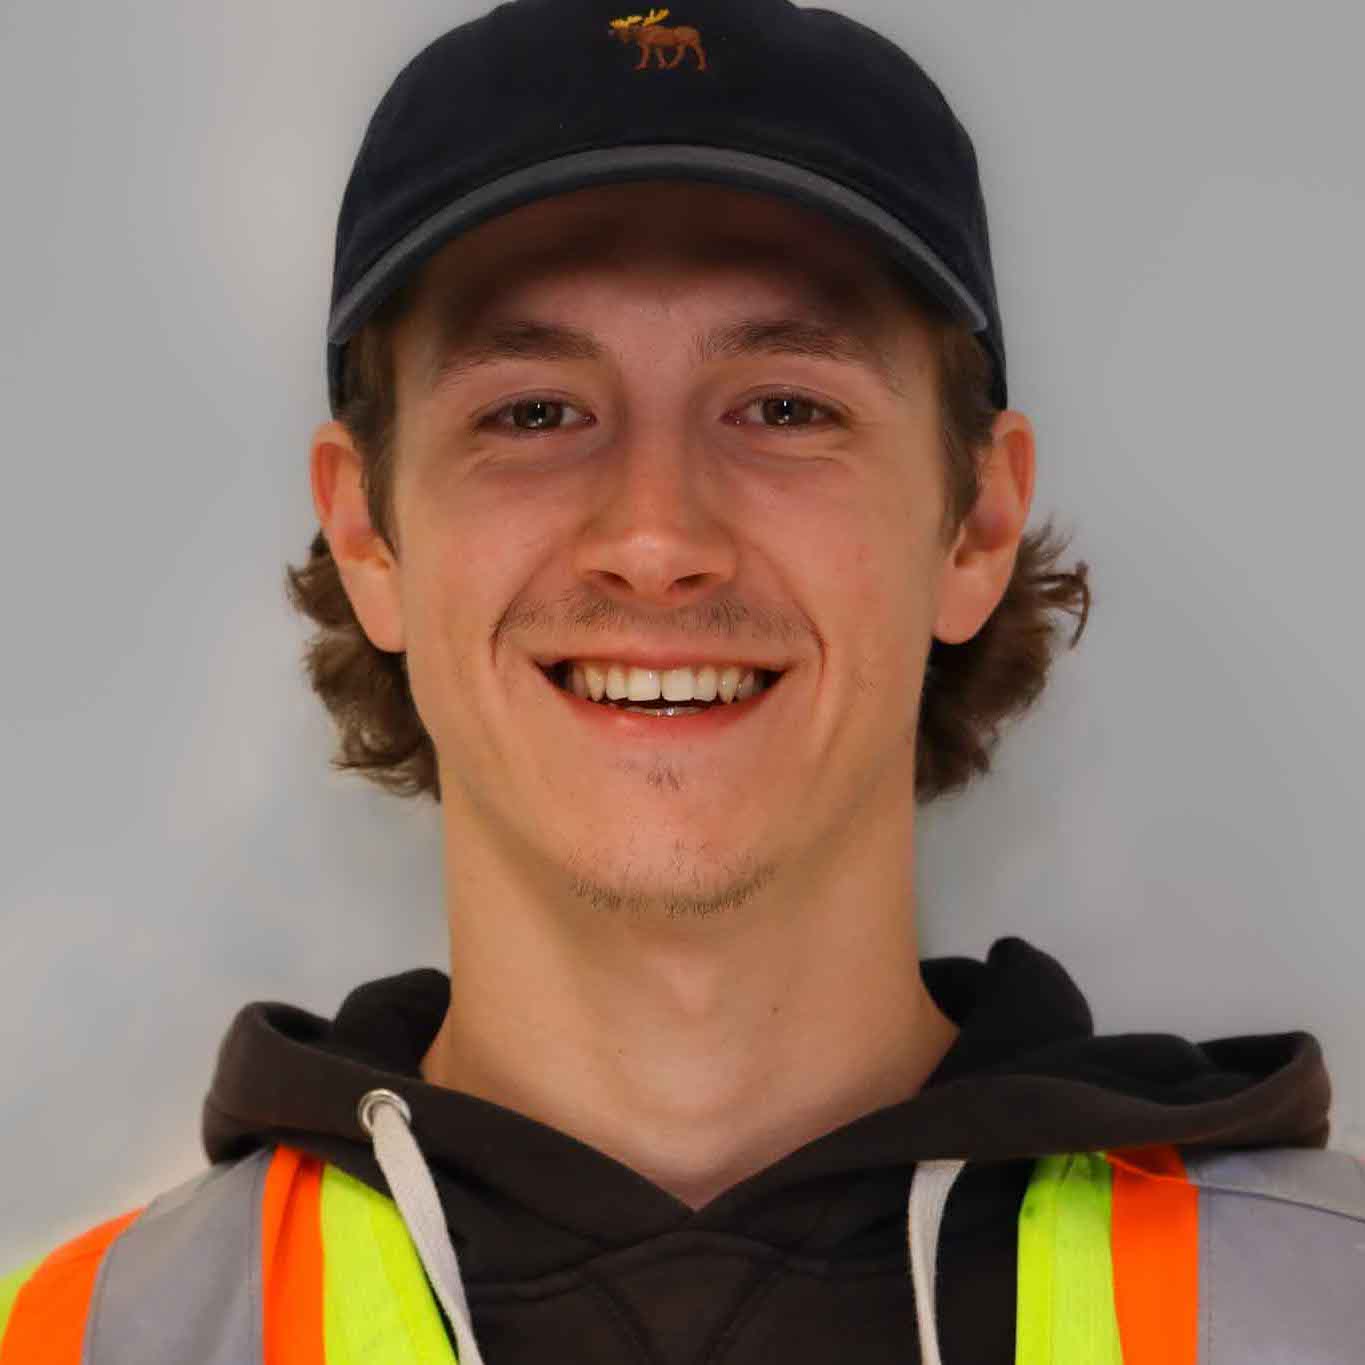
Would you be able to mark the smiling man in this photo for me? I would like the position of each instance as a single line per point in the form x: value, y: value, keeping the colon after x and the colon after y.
x: 672, y: 537
x: 668, y: 500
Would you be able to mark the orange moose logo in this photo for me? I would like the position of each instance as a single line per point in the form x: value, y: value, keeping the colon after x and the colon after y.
x: 645, y: 30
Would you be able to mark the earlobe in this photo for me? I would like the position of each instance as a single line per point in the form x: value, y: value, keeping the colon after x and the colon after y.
x: 368, y: 569
x: 977, y: 570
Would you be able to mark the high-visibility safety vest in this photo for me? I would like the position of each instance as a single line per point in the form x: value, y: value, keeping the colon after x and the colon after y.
x: 1150, y: 1256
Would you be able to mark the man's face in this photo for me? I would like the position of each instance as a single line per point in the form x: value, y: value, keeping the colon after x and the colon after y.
x: 734, y: 459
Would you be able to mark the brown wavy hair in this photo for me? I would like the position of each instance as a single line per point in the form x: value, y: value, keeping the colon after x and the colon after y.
x: 969, y: 688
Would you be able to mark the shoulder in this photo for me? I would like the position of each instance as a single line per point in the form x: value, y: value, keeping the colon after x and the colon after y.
x: 43, y: 1304
x: 1312, y: 1179
x: 229, y: 1266
x: 1281, y: 1251
x: 220, y: 1214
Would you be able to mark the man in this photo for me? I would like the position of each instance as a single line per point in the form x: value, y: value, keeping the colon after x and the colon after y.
x: 672, y: 537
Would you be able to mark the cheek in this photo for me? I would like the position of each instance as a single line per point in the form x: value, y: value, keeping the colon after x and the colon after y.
x: 884, y: 582
x: 469, y: 556
x: 440, y: 587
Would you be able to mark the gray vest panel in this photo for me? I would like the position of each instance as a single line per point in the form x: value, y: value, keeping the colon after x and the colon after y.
x: 182, y: 1282
x: 1281, y: 1257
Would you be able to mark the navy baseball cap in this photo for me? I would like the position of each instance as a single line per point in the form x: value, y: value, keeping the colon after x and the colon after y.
x: 540, y: 97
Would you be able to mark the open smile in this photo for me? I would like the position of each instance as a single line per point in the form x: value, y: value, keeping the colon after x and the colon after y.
x: 627, y: 708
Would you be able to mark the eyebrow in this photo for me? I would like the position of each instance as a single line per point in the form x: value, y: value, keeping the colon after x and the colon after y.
x: 798, y: 336
x: 457, y: 355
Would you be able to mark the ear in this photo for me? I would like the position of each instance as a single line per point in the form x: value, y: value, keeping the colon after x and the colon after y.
x: 977, y: 570
x: 369, y: 571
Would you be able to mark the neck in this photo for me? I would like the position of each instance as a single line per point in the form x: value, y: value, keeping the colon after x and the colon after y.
x: 695, y: 1051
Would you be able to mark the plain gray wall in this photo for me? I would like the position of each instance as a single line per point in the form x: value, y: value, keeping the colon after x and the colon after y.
x: 1177, y: 201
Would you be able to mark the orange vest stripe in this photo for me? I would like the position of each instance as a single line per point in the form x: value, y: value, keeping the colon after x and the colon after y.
x: 48, y: 1321
x: 1155, y: 1246
x: 291, y: 1254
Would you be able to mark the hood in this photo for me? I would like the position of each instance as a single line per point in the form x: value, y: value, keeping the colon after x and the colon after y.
x: 1025, y: 1077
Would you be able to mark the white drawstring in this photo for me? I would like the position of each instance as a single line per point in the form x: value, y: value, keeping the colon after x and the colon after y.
x: 928, y: 1196
x: 385, y: 1117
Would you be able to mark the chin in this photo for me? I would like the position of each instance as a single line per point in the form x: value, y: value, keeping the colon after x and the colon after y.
x: 682, y: 887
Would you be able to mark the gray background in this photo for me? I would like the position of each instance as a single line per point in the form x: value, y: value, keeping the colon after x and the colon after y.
x: 1177, y: 198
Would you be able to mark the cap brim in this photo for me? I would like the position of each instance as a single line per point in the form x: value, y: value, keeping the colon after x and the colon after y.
x: 613, y: 165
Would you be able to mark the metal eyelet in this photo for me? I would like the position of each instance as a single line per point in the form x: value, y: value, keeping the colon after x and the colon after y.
x: 371, y: 1099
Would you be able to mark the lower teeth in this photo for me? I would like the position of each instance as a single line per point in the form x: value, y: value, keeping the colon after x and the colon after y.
x: 664, y: 710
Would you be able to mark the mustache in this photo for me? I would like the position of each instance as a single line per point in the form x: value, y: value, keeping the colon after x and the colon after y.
x: 583, y: 612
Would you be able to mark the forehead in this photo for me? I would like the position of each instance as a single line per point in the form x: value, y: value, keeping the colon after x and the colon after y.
x: 764, y: 245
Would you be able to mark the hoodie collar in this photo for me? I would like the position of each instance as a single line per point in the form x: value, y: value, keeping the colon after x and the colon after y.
x: 1025, y: 1076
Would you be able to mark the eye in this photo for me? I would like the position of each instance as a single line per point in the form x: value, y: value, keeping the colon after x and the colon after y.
x: 789, y: 410
x: 530, y: 415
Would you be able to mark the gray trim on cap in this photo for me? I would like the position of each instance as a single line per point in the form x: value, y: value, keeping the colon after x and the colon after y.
x: 610, y: 165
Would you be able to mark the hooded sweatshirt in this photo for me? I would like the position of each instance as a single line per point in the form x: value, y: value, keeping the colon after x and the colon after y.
x: 570, y: 1256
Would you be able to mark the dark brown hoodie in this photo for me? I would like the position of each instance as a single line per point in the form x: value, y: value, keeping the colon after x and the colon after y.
x: 569, y: 1256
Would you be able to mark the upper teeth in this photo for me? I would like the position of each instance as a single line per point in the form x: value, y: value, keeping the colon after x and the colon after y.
x: 618, y: 682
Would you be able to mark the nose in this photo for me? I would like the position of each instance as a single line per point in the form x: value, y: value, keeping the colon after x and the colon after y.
x: 657, y: 535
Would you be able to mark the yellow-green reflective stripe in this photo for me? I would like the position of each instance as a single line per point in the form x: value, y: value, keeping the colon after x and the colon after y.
x: 377, y: 1307
x: 10, y: 1285
x: 1066, y: 1277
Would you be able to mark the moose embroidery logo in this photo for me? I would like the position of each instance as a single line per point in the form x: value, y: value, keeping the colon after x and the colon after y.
x: 646, y: 31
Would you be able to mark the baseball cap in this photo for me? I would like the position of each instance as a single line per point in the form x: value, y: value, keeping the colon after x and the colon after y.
x: 540, y: 97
